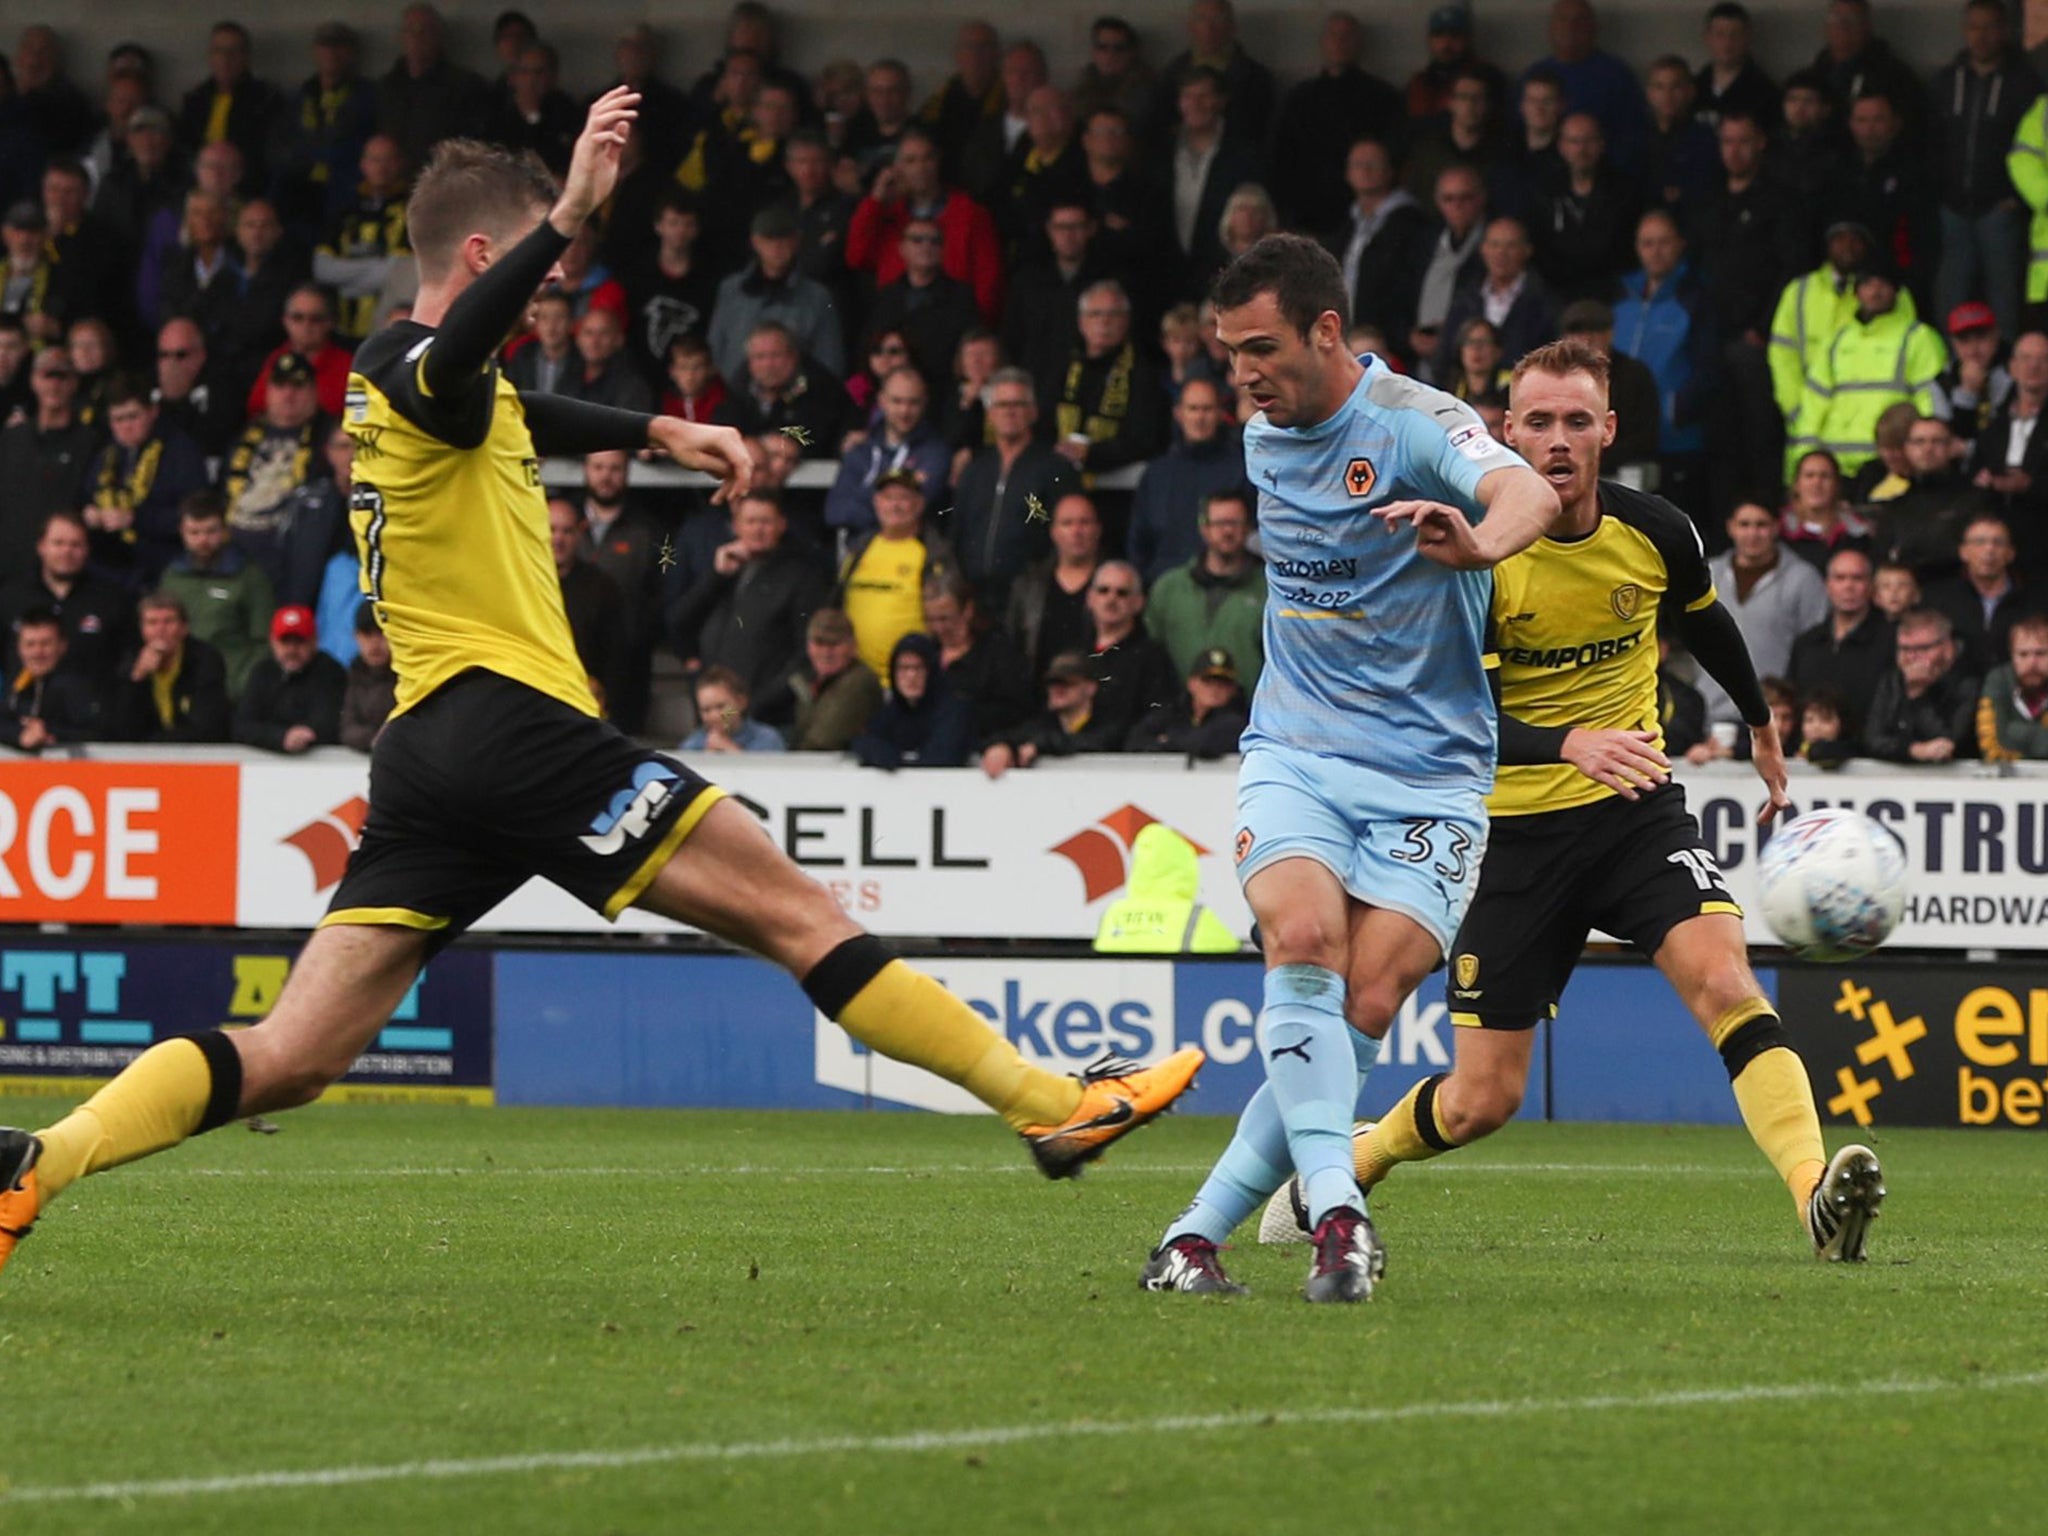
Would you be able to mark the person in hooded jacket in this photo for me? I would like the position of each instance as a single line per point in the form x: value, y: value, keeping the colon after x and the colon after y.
x: 924, y: 724
x: 1159, y: 913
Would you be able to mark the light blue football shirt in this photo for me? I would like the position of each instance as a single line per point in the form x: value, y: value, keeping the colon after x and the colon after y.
x: 1373, y: 653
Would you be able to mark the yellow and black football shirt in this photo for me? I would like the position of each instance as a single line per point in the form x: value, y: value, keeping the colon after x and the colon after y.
x: 451, y: 525
x: 1573, y: 632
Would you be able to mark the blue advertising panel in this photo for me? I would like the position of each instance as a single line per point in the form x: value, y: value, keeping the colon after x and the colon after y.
x: 72, y: 1014
x: 1625, y: 1048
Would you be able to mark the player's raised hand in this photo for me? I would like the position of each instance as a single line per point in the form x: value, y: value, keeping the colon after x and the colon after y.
x: 718, y: 451
x: 594, y: 162
x: 1442, y: 533
x: 1767, y: 755
x: 1627, y: 762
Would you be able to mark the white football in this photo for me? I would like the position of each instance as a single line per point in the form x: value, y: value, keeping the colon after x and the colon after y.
x: 1833, y: 884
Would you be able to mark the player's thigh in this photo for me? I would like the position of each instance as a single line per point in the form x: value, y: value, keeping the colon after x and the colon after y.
x: 1302, y: 911
x: 1655, y: 874
x: 1293, y: 847
x: 729, y: 878
x: 1706, y: 960
x: 343, y: 988
x: 1525, y: 929
x: 1387, y: 956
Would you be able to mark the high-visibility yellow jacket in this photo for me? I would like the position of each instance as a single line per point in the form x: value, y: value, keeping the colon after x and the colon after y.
x: 2027, y: 164
x: 1868, y: 368
x: 1158, y: 913
x: 1810, y: 314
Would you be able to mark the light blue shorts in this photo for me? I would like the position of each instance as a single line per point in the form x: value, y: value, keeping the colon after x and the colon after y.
x: 1409, y: 849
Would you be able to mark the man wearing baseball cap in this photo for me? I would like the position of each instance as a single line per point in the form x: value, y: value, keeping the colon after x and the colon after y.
x: 31, y: 284
x: 277, y: 451
x: 881, y: 582
x: 1206, y: 720
x: 293, y: 698
x: 1450, y: 53
x: 1976, y: 383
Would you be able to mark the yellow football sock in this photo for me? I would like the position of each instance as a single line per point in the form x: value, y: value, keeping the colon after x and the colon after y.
x: 1407, y: 1133
x: 156, y: 1103
x: 905, y: 1014
x: 1773, y: 1093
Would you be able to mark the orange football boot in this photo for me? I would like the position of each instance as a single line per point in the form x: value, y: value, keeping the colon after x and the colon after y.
x: 20, y: 1201
x: 1117, y: 1096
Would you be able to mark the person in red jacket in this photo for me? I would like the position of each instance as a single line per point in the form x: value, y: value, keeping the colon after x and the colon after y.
x: 911, y: 187
x: 309, y: 331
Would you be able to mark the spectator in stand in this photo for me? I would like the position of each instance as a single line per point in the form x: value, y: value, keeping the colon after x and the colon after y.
x: 1585, y: 215
x: 228, y: 601
x: 587, y: 280
x: 293, y: 545
x: 924, y: 724
x: 2009, y: 459
x: 1661, y: 322
x: 591, y: 599
x: 604, y: 374
x: 669, y: 291
x: 1731, y: 82
x: 1107, y: 407
x: 911, y: 188
x: 308, y: 332
x: 1044, y: 293
x: 1449, y: 40
x: 173, y: 687
x: 424, y: 98
x: 881, y: 580
x: 1849, y: 651
x: 1049, y: 604
x: 15, y: 353
x: 1925, y: 708
x: 1177, y: 487
x: 901, y: 437
x: 928, y: 309
x: 1049, y: 167
x: 1381, y: 241
x: 1115, y: 79
x: 1320, y: 118
x: 886, y: 351
x: 1187, y: 360
x: 1982, y: 602
x: 203, y: 280
x: 1772, y: 596
x: 971, y: 96
x: 1131, y: 668
x: 143, y: 189
x: 57, y: 110
x: 823, y: 213
x: 272, y: 270
x: 748, y: 610
x: 665, y: 112
x: 93, y: 351
x: 876, y: 130
x: 369, y: 236
x: 1825, y: 737
x: 780, y: 390
x: 1922, y: 522
x: 835, y: 695
x: 277, y: 452
x: 534, y: 113
x: 770, y: 289
x: 1888, y: 475
x: 723, y: 722
x: 964, y: 421
x: 333, y: 117
x: 1810, y: 150
x: 1478, y: 372
x: 1469, y: 132
x: 32, y: 285
x: 1205, y: 720
x: 1212, y: 155
x: 1810, y: 314
x: 1248, y: 217
x: 96, y: 614
x: 2012, y: 711
x: 1854, y: 61
x: 1894, y: 590
x: 695, y: 391
x: 1531, y: 156
x: 188, y: 396
x: 1001, y: 141
x: 87, y: 252
x: 294, y: 695
x: 750, y: 29
x: 1454, y: 262
x: 1127, y: 215
x: 1888, y: 189
x: 138, y: 481
x: 1883, y: 356
x: 1679, y: 152
x: 625, y: 543
x: 548, y: 364
x: 1068, y: 724
x: 1594, y: 81
x: 1516, y: 301
x: 46, y: 705
x: 1007, y: 490
x: 981, y: 663
x: 1818, y: 520
x: 1978, y: 103
x: 232, y: 106
x: 44, y: 460
x: 1218, y: 598
x: 1213, y: 45
x: 1975, y: 386
x: 372, y: 690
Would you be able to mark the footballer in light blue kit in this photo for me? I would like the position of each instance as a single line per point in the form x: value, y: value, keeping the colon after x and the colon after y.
x: 1361, y: 820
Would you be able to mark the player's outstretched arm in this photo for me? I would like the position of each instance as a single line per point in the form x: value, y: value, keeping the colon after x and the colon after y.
x: 594, y: 162
x: 1716, y: 644
x: 1520, y: 507
x: 570, y: 428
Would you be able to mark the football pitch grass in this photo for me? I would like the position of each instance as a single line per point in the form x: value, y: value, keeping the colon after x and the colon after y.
x: 500, y: 1321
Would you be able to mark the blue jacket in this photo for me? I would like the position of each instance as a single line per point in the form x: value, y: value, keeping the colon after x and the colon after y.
x: 850, y: 504
x: 1168, y: 504
x: 1670, y: 335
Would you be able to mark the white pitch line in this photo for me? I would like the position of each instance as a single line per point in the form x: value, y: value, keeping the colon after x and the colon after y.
x: 768, y: 1170
x: 925, y: 1441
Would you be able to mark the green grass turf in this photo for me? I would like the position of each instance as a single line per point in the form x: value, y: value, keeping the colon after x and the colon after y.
x: 378, y: 1286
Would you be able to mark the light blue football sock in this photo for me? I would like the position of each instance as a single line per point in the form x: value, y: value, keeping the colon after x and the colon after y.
x: 1245, y: 1176
x: 1315, y: 1073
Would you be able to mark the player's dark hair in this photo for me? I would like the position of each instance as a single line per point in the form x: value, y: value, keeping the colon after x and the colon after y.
x: 1571, y: 354
x: 470, y: 187
x: 1303, y: 278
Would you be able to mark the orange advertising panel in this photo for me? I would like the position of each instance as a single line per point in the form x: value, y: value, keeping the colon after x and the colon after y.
x: 91, y: 842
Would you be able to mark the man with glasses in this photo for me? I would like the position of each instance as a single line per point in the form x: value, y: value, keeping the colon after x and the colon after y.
x: 1132, y: 669
x: 1115, y: 78
x: 43, y: 461
x: 1926, y: 707
x: 1108, y: 408
x: 1009, y: 494
x: 187, y: 395
x: 910, y: 189
x: 930, y: 310
x: 1453, y: 260
x: 308, y: 331
x: 1044, y: 293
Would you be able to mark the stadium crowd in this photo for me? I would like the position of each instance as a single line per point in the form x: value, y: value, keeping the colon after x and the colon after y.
x: 981, y: 299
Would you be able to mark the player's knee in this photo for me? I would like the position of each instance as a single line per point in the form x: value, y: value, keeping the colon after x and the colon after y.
x: 1303, y: 938
x: 1370, y: 1008
x: 1477, y: 1107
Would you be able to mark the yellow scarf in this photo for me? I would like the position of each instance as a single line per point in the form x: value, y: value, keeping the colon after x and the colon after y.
x: 1109, y: 411
x: 132, y: 490
x: 163, y: 686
